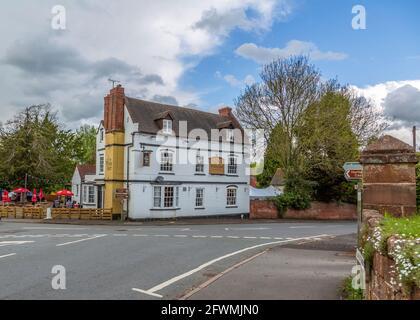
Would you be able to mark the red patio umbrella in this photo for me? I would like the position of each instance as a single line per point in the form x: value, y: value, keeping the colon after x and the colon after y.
x: 5, y: 197
x: 40, y: 195
x: 65, y: 193
x: 21, y: 190
x: 34, y: 199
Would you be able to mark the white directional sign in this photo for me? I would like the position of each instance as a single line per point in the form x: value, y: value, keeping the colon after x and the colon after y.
x: 353, y: 171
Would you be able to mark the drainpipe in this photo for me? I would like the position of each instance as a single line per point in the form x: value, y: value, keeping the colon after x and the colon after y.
x: 128, y: 168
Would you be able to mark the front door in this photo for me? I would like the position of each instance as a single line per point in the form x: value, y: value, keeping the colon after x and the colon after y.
x: 99, y: 197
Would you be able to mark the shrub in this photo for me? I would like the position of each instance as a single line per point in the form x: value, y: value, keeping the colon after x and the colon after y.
x: 292, y: 200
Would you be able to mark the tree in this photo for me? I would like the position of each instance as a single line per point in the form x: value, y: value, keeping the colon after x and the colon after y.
x: 85, y: 144
x: 327, y: 141
x: 34, y: 143
x: 310, y: 125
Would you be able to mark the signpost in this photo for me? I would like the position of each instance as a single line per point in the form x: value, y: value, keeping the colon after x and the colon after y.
x: 353, y: 171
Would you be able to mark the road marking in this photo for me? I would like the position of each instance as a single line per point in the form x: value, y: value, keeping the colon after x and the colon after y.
x: 71, y: 242
x: 248, y: 228
x: 149, y: 293
x: 180, y: 236
x: 265, y: 238
x: 53, y: 228
x: 216, y: 237
x: 233, y: 237
x: 249, y: 237
x: 9, y: 243
x: 199, y: 236
x: 140, y: 235
x: 7, y: 255
x: 301, y: 227
x: 120, y: 235
x: 161, y: 235
x: 205, y: 265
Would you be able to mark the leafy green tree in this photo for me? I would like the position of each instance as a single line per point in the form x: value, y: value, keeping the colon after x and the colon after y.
x: 85, y: 144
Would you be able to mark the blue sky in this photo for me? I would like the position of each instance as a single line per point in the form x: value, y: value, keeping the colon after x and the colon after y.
x: 388, y: 50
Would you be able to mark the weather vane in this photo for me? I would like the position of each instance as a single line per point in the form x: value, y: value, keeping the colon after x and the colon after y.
x: 114, y: 82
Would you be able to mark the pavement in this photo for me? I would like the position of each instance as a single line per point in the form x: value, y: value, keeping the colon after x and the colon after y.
x: 309, y: 270
x: 143, y: 262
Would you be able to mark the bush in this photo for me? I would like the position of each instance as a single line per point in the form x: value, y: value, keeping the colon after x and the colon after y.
x: 292, y: 200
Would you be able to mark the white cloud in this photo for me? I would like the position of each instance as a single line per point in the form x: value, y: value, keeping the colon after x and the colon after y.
x: 294, y: 47
x: 235, y: 82
x: 142, y: 43
x: 400, y: 102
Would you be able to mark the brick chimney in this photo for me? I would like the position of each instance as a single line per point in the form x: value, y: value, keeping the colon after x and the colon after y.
x: 114, y: 110
x: 225, y: 112
x: 253, y: 181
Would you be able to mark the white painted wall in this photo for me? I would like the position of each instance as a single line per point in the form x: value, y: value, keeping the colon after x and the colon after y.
x: 140, y: 204
x: 76, y: 182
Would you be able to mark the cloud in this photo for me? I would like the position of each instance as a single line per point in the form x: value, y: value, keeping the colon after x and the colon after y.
x: 165, y: 100
x: 234, y: 82
x: 399, y: 101
x: 403, y: 105
x: 295, y: 47
x: 147, y: 45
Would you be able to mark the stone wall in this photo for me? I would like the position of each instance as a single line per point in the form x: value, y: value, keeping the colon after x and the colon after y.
x: 266, y: 209
x: 381, y: 275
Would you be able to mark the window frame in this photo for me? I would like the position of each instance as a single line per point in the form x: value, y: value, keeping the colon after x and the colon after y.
x: 167, y: 126
x: 199, y: 198
x: 232, y: 196
x: 167, y: 197
x: 101, y: 163
x: 232, y: 168
x: 168, y: 165
x: 146, y: 155
x: 199, y: 163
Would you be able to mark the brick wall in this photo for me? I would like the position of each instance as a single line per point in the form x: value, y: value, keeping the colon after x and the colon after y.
x: 380, y: 278
x: 266, y: 209
x: 263, y: 209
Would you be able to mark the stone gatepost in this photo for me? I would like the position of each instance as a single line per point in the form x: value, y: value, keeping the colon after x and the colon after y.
x: 389, y: 177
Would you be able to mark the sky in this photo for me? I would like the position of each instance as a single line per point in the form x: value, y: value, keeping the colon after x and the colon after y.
x: 203, y: 53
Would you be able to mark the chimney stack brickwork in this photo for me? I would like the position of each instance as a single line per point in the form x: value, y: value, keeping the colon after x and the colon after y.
x: 389, y: 177
x: 114, y: 110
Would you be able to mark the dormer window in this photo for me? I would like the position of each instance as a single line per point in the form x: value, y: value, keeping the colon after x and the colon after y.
x: 167, y: 126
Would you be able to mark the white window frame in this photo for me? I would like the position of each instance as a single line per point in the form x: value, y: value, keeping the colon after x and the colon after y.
x: 165, y: 197
x: 101, y: 163
x: 149, y: 157
x: 231, y: 196
x: 199, y: 165
x: 167, y: 126
x: 199, y: 197
x: 232, y: 165
x: 230, y: 136
x: 166, y: 161
x: 91, y: 194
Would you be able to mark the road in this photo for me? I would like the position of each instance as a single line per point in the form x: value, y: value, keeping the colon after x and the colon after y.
x: 135, y: 262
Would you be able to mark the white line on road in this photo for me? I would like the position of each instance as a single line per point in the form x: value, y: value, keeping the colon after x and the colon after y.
x: 301, y: 227
x: 10, y: 243
x: 7, y: 255
x: 248, y: 228
x: 205, y: 265
x: 71, y: 242
x: 52, y: 228
x: 199, y: 236
x: 149, y: 293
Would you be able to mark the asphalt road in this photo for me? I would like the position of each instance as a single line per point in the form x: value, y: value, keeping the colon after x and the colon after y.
x: 135, y: 262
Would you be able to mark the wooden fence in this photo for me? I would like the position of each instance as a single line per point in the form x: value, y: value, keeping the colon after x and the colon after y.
x: 56, y: 213
x: 81, y: 214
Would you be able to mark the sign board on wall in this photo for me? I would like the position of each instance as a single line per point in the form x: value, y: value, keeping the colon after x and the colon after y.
x: 216, y: 166
x: 121, y: 193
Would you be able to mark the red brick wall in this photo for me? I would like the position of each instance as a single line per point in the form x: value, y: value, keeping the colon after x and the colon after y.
x: 266, y: 209
x: 263, y: 209
x: 324, y: 211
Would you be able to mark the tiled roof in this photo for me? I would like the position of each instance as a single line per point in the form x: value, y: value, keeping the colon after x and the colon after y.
x: 145, y: 113
x: 86, y: 169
